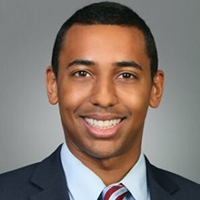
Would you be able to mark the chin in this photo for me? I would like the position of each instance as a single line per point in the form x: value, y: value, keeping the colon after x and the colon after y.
x: 103, y: 152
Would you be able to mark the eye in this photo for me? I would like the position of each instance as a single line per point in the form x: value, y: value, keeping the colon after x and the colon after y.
x: 126, y: 75
x: 82, y: 74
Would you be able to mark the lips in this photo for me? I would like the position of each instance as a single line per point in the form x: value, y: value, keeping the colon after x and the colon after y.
x: 100, y: 127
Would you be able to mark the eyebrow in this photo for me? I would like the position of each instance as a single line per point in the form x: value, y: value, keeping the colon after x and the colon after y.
x: 81, y: 62
x: 117, y: 64
x: 128, y: 64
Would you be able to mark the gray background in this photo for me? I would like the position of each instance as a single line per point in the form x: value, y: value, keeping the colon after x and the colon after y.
x: 30, y: 128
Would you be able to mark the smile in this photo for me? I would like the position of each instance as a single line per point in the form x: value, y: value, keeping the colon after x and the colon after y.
x: 100, y: 124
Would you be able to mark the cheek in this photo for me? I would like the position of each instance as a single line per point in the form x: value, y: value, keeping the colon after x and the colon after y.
x: 72, y: 96
x: 135, y: 98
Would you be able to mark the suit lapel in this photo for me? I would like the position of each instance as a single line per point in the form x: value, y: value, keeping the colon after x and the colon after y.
x: 56, y: 191
x: 160, y: 186
x: 49, y: 177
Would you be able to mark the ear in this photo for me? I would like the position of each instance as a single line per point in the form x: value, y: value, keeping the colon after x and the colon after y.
x: 51, y: 86
x: 157, y: 89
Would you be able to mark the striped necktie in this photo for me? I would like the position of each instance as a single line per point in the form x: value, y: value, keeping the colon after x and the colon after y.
x: 114, y: 192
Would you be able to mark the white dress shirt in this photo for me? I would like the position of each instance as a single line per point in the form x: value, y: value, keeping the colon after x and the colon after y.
x: 84, y: 184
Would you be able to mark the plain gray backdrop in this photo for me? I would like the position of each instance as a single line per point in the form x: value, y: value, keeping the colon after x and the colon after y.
x: 30, y: 128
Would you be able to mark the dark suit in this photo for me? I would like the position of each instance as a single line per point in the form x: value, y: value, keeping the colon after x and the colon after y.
x: 46, y: 181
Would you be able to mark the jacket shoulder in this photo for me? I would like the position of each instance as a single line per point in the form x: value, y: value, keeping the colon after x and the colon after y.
x: 22, y: 183
x: 17, y: 183
x: 185, y: 188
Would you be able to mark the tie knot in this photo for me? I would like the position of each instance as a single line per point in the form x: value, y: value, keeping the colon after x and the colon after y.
x: 114, y: 192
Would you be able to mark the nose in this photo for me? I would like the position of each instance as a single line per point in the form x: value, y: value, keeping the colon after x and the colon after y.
x: 103, y: 93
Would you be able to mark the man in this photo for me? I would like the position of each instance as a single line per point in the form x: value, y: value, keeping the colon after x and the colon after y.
x: 104, y: 76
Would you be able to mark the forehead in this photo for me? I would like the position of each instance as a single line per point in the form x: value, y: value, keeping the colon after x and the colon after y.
x: 107, y: 41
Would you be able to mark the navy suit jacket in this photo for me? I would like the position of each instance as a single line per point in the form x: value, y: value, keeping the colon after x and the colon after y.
x: 46, y: 181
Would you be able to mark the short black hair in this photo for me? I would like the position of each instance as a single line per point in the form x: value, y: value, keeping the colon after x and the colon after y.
x: 107, y: 13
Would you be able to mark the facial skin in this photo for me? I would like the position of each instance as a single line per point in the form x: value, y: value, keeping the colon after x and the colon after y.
x: 104, y: 74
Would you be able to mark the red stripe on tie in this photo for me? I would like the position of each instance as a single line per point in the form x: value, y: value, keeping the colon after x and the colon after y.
x: 121, y: 196
x: 111, y: 191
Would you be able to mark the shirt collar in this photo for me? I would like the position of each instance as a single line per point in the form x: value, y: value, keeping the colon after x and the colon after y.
x: 136, y: 180
x: 81, y: 179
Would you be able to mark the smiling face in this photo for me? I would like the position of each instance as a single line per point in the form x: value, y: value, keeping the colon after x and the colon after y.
x: 104, y: 88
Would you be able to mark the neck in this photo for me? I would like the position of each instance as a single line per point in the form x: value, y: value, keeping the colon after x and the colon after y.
x: 110, y: 170
x: 113, y: 170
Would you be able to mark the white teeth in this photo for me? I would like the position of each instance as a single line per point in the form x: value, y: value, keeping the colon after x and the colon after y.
x: 106, y: 123
x: 102, y: 124
x: 95, y: 122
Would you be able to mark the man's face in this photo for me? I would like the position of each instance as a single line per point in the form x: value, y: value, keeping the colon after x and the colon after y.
x: 103, y: 88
